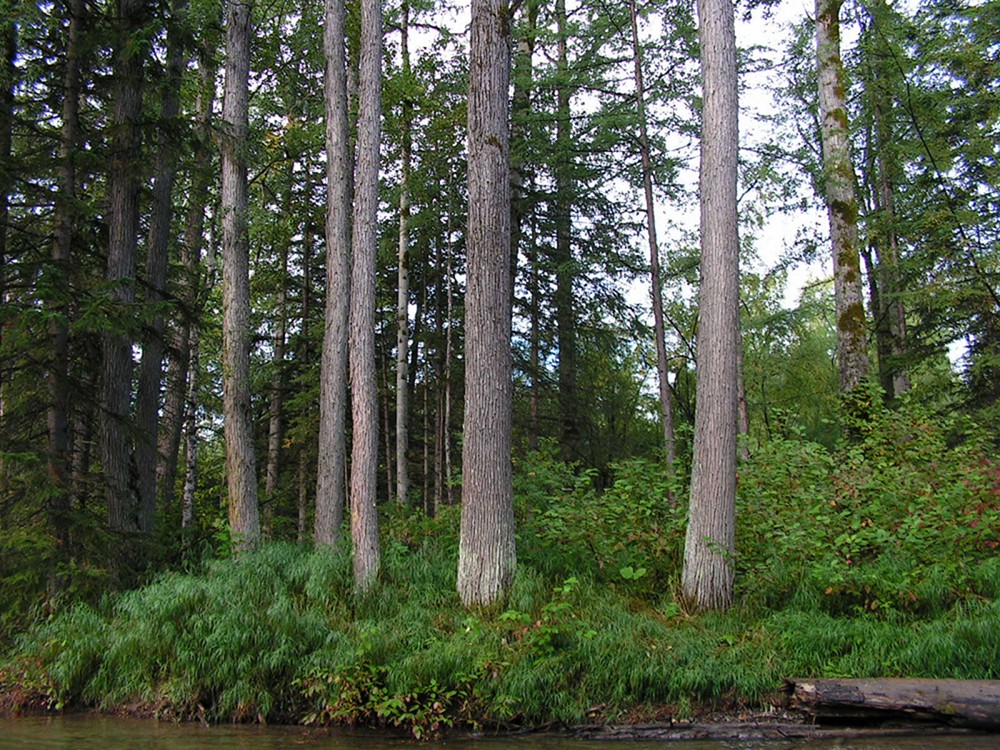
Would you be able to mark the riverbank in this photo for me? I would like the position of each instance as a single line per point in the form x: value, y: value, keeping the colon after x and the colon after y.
x: 279, y: 636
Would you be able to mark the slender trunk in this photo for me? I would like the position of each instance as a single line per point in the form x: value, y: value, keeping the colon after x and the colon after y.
x: 520, y: 108
x: 305, y: 362
x: 190, y: 434
x: 403, y: 280
x: 390, y: 477
x: 241, y: 463
x: 331, y: 460
x: 564, y: 264
x: 841, y: 201
x: 889, y: 315
x: 276, y: 403
x: 8, y: 79
x: 189, y: 292
x: 656, y: 284
x: 486, y: 555
x: 157, y: 254
x: 58, y: 420
x: 364, y: 247
x: 448, y: 338
x: 123, y: 227
x: 707, y: 577
x: 535, y: 291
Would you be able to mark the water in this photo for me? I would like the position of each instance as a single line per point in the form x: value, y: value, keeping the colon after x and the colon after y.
x: 109, y: 733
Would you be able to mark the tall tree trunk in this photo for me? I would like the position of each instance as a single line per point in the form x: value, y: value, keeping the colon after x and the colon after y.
x: 276, y: 402
x: 8, y: 80
x: 58, y: 419
x: 523, y: 84
x: 241, y: 463
x: 889, y: 313
x: 564, y: 264
x: 157, y: 255
x: 332, y: 456
x: 190, y: 433
x: 403, y: 278
x: 520, y: 107
x: 486, y: 555
x: 305, y: 362
x: 656, y: 284
x: 123, y: 227
x: 364, y: 248
x: 841, y: 201
x: 709, y: 545
x: 189, y: 292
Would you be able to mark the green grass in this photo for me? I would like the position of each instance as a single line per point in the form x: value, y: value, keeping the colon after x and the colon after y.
x: 278, y: 635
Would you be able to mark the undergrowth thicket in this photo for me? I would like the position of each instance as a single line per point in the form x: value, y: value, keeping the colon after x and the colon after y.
x: 878, y: 560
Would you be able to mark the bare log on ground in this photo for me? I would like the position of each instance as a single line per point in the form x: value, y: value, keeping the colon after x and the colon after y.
x: 966, y: 703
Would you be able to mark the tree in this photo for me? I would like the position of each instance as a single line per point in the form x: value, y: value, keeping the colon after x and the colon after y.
x: 123, y: 227
x: 330, y: 488
x: 403, y: 273
x: 157, y: 256
x: 364, y: 248
x: 486, y: 556
x: 655, y: 281
x: 709, y: 543
x: 241, y: 463
x: 842, y: 204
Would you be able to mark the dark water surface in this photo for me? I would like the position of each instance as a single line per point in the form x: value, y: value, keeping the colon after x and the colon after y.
x: 104, y: 733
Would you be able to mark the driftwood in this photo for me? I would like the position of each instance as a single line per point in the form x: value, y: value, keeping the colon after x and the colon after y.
x: 963, y: 703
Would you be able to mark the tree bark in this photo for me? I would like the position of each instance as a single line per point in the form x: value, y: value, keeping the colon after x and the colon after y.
x: 123, y: 227
x: 276, y: 402
x: 656, y: 283
x: 889, y: 313
x: 565, y: 268
x: 190, y: 433
x: 241, y: 463
x: 486, y: 557
x: 403, y: 278
x: 8, y: 81
x: 364, y: 248
x: 841, y: 200
x: 709, y: 545
x: 190, y: 292
x: 157, y: 256
x: 58, y: 416
x: 966, y: 703
x: 332, y: 456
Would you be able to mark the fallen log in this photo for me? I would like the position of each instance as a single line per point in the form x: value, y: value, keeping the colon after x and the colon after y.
x: 965, y: 703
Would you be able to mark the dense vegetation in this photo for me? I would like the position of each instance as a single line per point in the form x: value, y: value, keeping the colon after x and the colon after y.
x: 879, y: 559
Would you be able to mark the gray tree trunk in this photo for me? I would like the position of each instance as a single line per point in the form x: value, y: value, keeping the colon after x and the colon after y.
x: 841, y: 200
x: 189, y: 288
x: 887, y: 309
x: 486, y: 556
x: 190, y: 434
x: 403, y: 280
x: 709, y: 545
x: 331, y: 462
x: 123, y: 228
x: 157, y: 255
x: 565, y: 271
x: 8, y: 81
x: 656, y: 283
x: 364, y: 248
x: 276, y: 402
x: 241, y: 463
x: 58, y: 416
